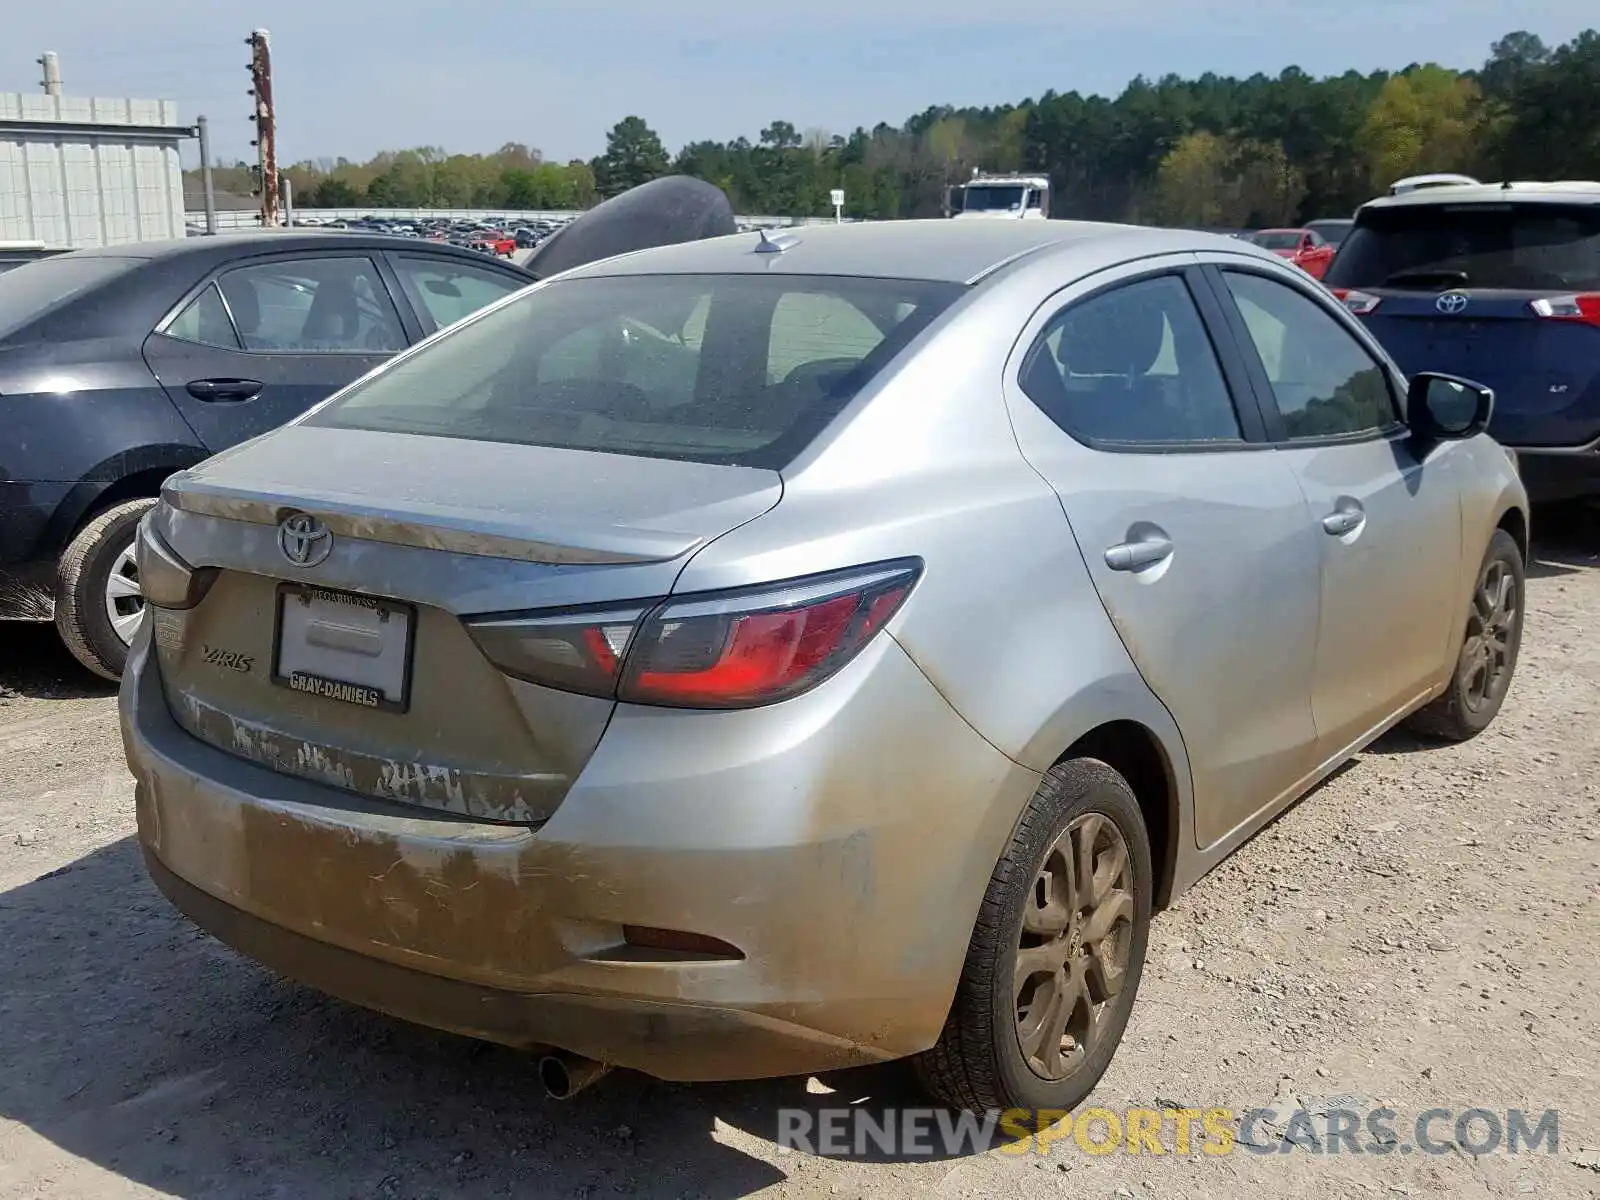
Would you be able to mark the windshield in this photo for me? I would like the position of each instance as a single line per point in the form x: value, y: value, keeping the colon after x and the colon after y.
x: 1278, y: 239
x: 1333, y: 232
x: 738, y: 369
x: 28, y: 291
x: 1528, y: 247
x: 994, y: 199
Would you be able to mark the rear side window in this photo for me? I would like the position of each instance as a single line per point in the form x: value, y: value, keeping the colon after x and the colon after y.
x: 29, y: 290
x: 335, y: 305
x: 738, y: 369
x: 1523, y: 247
x: 205, y: 320
x: 1133, y: 365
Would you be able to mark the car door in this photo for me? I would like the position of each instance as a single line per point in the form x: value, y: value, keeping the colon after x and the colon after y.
x: 442, y: 289
x: 1388, y: 521
x: 265, y: 339
x: 1194, y: 529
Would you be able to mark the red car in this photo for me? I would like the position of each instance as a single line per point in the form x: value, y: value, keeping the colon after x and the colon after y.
x: 1305, y: 248
x: 492, y: 241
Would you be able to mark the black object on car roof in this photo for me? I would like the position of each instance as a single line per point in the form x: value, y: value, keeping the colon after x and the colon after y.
x: 663, y: 212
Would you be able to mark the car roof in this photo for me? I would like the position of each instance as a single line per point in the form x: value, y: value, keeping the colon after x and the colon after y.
x: 1564, y: 191
x: 933, y: 250
x: 215, y: 248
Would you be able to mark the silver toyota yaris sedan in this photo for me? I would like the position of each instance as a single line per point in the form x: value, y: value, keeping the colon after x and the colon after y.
x: 775, y: 653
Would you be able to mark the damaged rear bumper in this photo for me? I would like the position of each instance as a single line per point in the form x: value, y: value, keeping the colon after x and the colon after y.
x: 841, y: 843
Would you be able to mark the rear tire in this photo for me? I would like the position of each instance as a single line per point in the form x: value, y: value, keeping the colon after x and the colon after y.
x: 1081, y: 952
x: 97, y: 597
x: 1487, y: 659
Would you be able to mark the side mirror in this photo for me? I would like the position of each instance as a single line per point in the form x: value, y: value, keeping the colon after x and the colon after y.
x: 1446, y: 408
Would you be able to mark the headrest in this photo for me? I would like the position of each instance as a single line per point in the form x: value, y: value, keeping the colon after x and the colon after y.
x: 1112, y: 335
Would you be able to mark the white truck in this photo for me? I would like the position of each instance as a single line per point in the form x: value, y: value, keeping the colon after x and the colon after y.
x: 1010, y: 197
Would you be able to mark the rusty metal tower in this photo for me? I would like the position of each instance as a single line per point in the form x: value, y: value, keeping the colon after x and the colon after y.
x: 266, y: 139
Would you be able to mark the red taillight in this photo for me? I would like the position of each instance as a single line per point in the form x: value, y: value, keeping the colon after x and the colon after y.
x: 576, y: 650
x: 1584, y: 308
x: 711, y: 650
x: 1360, y: 303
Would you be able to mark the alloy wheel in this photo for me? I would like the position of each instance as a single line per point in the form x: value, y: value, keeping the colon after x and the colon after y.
x: 1491, y: 629
x: 1072, y: 957
x: 124, y: 597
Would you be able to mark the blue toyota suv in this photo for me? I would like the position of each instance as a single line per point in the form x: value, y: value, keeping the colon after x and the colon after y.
x: 1499, y: 283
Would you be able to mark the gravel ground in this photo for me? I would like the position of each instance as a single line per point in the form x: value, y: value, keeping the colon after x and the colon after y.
x: 1417, y: 933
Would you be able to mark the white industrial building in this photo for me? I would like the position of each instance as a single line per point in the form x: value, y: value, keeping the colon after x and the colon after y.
x: 80, y: 171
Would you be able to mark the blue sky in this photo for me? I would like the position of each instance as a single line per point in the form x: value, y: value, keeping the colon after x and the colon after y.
x: 354, y: 78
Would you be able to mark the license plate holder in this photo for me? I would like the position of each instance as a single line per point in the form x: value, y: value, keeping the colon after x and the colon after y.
x: 343, y: 646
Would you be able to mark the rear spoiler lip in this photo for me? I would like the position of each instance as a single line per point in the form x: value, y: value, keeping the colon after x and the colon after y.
x: 432, y: 531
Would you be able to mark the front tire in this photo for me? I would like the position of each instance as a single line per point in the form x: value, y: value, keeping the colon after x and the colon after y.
x: 1057, y: 953
x: 1487, y: 659
x: 98, y: 600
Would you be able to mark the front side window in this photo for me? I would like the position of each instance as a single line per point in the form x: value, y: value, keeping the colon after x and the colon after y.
x: 738, y: 369
x: 1134, y: 366
x: 448, y: 291
x: 1324, y: 381
x: 334, y: 305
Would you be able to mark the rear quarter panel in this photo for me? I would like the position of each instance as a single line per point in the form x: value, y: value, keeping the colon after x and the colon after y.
x: 1005, y: 622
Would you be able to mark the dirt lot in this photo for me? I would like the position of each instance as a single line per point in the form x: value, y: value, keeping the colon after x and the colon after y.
x: 1418, y: 933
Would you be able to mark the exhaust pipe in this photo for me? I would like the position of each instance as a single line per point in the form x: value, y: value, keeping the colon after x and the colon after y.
x: 565, y: 1075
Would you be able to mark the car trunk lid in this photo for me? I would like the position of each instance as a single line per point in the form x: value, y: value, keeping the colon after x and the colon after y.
x: 355, y: 669
x: 1545, y: 373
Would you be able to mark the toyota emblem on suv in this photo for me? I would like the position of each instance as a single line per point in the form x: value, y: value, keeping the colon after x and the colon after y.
x: 304, y: 540
x: 1451, y: 303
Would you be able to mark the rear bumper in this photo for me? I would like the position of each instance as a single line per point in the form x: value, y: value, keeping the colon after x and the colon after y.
x: 848, y: 880
x: 1555, y: 474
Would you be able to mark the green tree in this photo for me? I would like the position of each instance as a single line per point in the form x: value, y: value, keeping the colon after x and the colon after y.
x: 333, y: 192
x: 1211, y: 150
x: 1193, y: 182
x: 634, y: 155
x: 1427, y: 119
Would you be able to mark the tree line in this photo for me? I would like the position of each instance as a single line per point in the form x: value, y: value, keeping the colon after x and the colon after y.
x: 1211, y: 151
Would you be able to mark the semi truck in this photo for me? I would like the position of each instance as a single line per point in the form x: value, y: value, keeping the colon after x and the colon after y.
x: 1010, y: 197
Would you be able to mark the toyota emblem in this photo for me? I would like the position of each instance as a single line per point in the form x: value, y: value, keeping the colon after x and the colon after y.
x: 304, y: 540
x: 1451, y: 303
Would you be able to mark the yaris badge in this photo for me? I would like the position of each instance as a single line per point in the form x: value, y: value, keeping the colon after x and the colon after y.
x: 304, y: 540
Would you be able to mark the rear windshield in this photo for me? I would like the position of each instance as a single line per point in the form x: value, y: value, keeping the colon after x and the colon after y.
x: 28, y: 291
x: 736, y: 369
x: 1278, y: 239
x: 1528, y: 247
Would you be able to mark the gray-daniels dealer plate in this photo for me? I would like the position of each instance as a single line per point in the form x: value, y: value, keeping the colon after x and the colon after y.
x: 345, y: 647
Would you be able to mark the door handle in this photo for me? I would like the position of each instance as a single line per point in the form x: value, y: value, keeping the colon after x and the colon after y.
x: 224, y: 389
x: 1136, y: 555
x: 1344, y: 520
